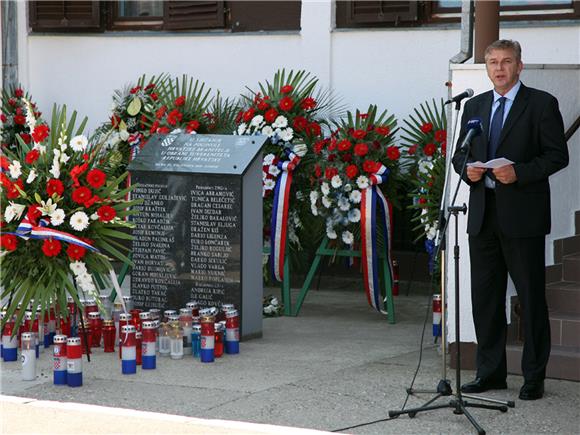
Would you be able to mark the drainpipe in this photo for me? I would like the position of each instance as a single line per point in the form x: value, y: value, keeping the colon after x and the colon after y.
x: 486, y: 27
x: 9, y: 43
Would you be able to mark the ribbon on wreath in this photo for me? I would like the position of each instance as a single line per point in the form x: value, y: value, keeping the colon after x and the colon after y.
x: 375, y: 207
x: 279, y: 219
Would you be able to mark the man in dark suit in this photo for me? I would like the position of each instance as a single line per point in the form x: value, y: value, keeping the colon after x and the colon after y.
x: 509, y: 216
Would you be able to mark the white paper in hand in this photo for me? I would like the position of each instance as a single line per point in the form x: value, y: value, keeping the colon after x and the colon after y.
x: 491, y: 164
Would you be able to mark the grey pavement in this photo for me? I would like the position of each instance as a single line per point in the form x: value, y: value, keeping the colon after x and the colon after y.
x: 336, y: 365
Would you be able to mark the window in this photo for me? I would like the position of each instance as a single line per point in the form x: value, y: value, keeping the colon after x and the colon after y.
x: 353, y: 14
x: 101, y: 16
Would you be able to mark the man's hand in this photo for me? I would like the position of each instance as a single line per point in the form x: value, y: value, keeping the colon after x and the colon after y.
x: 505, y: 174
x: 475, y: 174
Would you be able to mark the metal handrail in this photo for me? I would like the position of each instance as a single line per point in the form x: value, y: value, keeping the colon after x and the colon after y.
x: 572, y: 129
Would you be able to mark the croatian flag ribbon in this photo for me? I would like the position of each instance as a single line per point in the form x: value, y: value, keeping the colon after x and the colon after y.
x: 28, y: 230
x: 373, y: 204
x: 279, y: 220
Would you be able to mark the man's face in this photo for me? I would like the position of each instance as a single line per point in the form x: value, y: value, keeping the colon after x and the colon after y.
x: 503, y: 69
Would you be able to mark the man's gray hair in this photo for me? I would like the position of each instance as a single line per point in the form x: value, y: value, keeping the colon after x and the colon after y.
x: 505, y: 44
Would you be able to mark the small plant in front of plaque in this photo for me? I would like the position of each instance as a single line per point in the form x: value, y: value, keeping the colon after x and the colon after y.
x: 61, y: 214
x: 13, y: 117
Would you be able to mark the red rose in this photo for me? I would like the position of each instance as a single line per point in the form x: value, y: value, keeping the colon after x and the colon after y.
x: 3, y: 118
x: 54, y: 186
x: 300, y: 123
x: 19, y: 119
x: 40, y: 133
x: 412, y: 149
x: 370, y: 166
x: 96, y: 178
x: 25, y: 138
x: 174, y: 117
x: 393, y: 153
x: 359, y: 134
x: 192, y: 126
x: 286, y: 104
x: 249, y: 114
x: 135, y: 89
x: 51, y: 248
x: 330, y: 172
x: 344, y: 145
x: 179, y: 101
x: 106, y: 213
x: 318, y: 171
x: 351, y: 171
x: 383, y: 130
x: 75, y: 252
x: 286, y: 89
x: 361, y: 149
x: 161, y: 112
x: 81, y: 194
x: 271, y: 115
x: 430, y: 149
x: 308, y: 103
x: 313, y: 129
x: 32, y: 156
x: 18, y: 93
x: 8, y: 242
x: 13, y: 192
x: 440, y: 135
x: 427, y: 127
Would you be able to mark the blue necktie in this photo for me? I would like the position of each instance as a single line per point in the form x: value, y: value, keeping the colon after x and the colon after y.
x: 495, y: 130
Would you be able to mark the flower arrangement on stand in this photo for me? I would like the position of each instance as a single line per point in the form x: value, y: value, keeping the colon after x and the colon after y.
x: 13, y: 117
x: 61, y: 217
x: 289, y: 113
x: 425, y: 138
x: 359, y: 156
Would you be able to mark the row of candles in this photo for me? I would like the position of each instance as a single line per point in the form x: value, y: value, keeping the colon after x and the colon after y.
x: 140, y: 336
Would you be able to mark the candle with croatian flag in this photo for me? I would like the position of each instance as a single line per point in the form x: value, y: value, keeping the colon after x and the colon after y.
x: 59, y: 360
x: 74, y: 362
x: 148, y: 357
x: 129, y: 350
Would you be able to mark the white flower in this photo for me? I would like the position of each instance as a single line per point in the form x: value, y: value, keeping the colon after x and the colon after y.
x: 274, y: 170
x: 95, y: 217
x: 313, y: 196
x: 78, y: 267
x: 269, y: 309
x: 347, y: 237
x: 40, y: 148
x: 268, y: 159
x: 79, y: 221
x: 313, y: 209
x: 57, y: 217
x: 124, y: 135
x: 354, y: 215
x: 55, y: 169
x: 267, y: 131
x: 15, y: 169
x: 362, y: 182
x: 269, y: 184
x: 425, y: 166
x: 64, y: 157
x: 31, y: 176
x: 242, y: 128
x: 63, y: 145
x: 331, y: 234
x: 79, y: 143
x: 325, y: 188
x: 343, y: 204
x: 256, y: 120
x: 280, y: 122
x: 13, y: 211
x: 326, y: 201
x: 336, y: 181
x: 47, y: 208
x: 300, y: 149
x: 355, y: 196
x: 432, y: 232
x: 287, y: 134
x: 274, y: 302
x: 347, y: 188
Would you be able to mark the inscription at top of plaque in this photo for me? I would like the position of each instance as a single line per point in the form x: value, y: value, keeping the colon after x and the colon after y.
x: 181, y: 152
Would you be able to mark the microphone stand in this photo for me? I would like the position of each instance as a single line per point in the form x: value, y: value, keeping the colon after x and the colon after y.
x: 457, y: 403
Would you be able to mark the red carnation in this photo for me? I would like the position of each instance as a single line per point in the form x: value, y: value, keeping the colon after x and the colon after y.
x: 8, y: 242
x: 286, y: 89
x: 115, y: 120
x: 89, y: 202
x: 12, y: 192
x: 317, y: 171
x: 444, y: 148
x: 286, y: 104
x: 3, y: 118
x: 331, y: 157
x: 33, y: 214
x: 422, y: 200
x: 163, y: 130
x: 75, y: 252
x: 344, y: 145
x: 81, y: 194
x: 440, y: 135
x: 154, y: 96
x: 51, y: 248
x: 135, y: 89
x: 393, y: 153
x: 313, y: 129
x: 412, y: 149
x: 179, y: 101
x: 76, y: 172
x: 427, y: 127
x: 359, y: 134
x: 361, y: 149
x: 161, y: 112
x: 54, y: 186
x: 271, y: 115
x: 40, y: 133
x: 330, y: 172
x: 308, y: 103
x: 351, y: 171
x: 18, y: 93
x: 347, y: 157
x: 430, y: 149
x: 19, y: 119
x: 239, y: 117
x: 383, y: 130
x: 106, y: 213
x: 174, y: 117
x: 249, y: 114
x: 25, y: 138
x: 370, y: 166
x: 263, y: 105
x: 300, y: 123
x: 32, y: 156
x: 192, y: 126
x: 319, y: 146
x: 12, y: 102
x: 154, y: 127
x: 4, y: 163
x: 96, y: 178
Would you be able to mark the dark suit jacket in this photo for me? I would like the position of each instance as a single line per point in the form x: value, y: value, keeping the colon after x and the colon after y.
x: 533, y: 138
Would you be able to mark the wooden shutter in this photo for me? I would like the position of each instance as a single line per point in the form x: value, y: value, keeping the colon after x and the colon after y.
x: 375, y: 13
x: 183, y: 15
x: 253, y: 16
x: 66, y: 16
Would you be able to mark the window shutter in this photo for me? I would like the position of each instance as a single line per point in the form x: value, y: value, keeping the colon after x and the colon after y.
x: 369, y: 13
x: 64, y: 16
x: 183, y: 15
x: 253, y: 16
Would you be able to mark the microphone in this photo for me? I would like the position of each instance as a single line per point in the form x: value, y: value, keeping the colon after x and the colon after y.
x: 468, y: 93
x: 474, y: 128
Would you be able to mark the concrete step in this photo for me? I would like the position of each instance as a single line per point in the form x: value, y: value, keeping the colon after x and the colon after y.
x: 564, y: 362
x: 565, y: 329
x: 566, y: 246
x: 564, y: 296
x: 571, y: 267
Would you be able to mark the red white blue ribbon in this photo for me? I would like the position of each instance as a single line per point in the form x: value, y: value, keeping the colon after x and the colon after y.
x: 373, y: 203
x: 279, y: 219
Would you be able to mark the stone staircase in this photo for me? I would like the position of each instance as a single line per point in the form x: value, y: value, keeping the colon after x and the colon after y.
x: 563, y: 295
